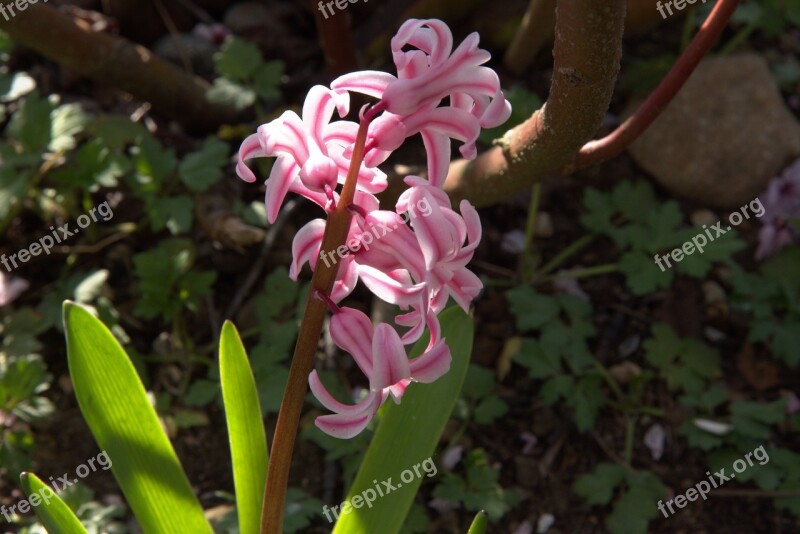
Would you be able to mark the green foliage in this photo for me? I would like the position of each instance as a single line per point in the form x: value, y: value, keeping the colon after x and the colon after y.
x: 244, y: 75
x: 479, y: 490
x: 245, y: 429
x: 771, y: 17
x: 637, y: 494
x: 301, y: 509
x: 478, y: 402
x: 559, y: 353
x: 202, y: 169
x: 115, y: 405
x: 55, y: 515
x: 686, y: 364
x: 479, y: 524
x: 644, y: 75
x: 772, y: 297
x: 167, y: 282
x: 642, y: 227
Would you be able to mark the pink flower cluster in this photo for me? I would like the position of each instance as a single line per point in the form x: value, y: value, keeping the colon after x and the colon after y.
x: 442, y: 95
x: 781, y: 213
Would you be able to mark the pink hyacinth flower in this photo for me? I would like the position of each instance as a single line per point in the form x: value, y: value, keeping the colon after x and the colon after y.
x: 427, y: 75
x: 310, y: 152
x: 381, y: 356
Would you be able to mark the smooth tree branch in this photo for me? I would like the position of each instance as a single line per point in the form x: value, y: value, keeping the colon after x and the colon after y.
x: 552, y: 141
x: 617, y: 141
x: 119, y: 63
x: 587, y: 51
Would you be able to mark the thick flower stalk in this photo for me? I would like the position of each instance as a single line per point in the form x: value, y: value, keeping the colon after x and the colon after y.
x: 413, y: 255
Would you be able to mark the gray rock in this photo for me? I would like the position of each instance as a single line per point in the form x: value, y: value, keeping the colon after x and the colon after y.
x: 724, y: 136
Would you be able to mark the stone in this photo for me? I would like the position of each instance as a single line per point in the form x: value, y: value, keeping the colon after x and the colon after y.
x: 724, y: 136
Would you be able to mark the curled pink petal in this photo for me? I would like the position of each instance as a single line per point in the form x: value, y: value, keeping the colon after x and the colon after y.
x: 305, y: 246
x: 251, y: 148
x: 432, y: 364
x: 369, y: 82
x: 352, y: 331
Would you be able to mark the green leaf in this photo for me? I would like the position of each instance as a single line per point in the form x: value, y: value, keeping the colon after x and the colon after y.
x: 154, y: 163
x: 407, y: 435
x: 30, y: 125
x: 642, y: 274
x: 116, y: 132
x: 478, y: 383
x: 479, y: 524
x: 532, y: 310
x: 635, y: 200
x: 598, y: 487
x: 202, y: 169
x: 124, y: 424
x: 587, y: 400
x: 237, y: 59
x: 67, y: 122
x: 174, y: 213
x: 267, y: 79
x: 541, y: 363
x: 636, y: 507
x: 54, y: 513
x: 754, y: 418
x: 228, y: 93
x: 490, y: 409
x: 599, y: 212
x: 245, y: 429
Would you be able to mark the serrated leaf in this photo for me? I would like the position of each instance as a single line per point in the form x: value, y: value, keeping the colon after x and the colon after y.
x: 598, y: 487
x: 173, y: 213
x: 267, y: 79
x: 202, y: 169
x: 540, y: 363
x: 489, y: 409
x: 237, y: 59
x: 31, y: 123
x: 587, y: 400
x: 532, y: 310
x: 642, y: 274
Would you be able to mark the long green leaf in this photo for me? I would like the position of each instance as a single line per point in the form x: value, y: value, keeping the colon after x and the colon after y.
x: 54, y: 513
x: 479, y: 524
x: 407, y: 435
x: 245, y: 428
x: 124, y: 424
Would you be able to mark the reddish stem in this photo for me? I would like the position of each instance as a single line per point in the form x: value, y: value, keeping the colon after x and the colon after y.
x: 280, y: 460
x: 615, y: 143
